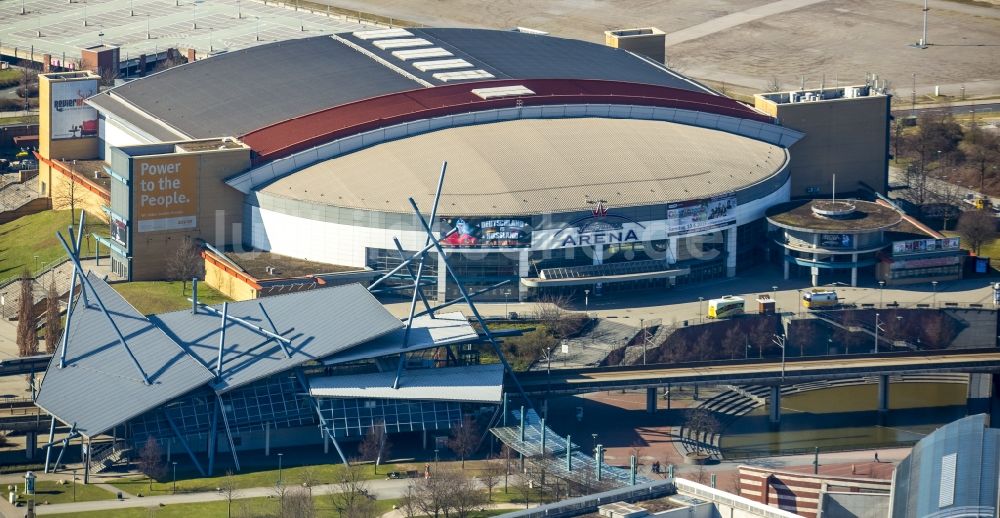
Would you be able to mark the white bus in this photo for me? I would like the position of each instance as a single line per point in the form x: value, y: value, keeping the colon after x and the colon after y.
x: 727, y: 306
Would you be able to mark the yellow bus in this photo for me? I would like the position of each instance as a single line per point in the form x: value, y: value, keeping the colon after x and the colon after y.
x: 725, y: 307
x: 817, y: 299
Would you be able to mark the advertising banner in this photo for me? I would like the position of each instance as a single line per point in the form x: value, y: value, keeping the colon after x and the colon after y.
x: 599, y: 227
x: 920, y: 246
x: 700, y: 215
x: 930, y: 262
x: 836, y: 240
x: 165, y: 192
x: 71, y: 118
x: 119, y: 231
x: 487, y: 233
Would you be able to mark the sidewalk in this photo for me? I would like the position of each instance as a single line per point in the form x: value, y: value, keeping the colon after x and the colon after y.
x: 382, y: 489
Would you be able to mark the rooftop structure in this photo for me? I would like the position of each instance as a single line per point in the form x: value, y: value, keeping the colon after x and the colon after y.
x: 150, y: 27
x: 559, y: 165
x: 951, y: 472
x: 851, y: 216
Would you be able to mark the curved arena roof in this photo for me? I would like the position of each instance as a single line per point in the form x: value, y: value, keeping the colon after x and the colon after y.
x: 533, y: 166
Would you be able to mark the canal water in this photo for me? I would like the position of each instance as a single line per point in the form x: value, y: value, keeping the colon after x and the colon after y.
x: 841, y: 418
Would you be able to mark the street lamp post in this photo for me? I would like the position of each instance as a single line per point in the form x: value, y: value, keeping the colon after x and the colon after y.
x: 642, y: 333
x: 700, y: 313
x: 881, y: 284
x: 586, y: 301
x: 280, y: 455
x: 74, y: 485
x: 798, y: 301
x: 435, y: 457
x: 174, y: 490
x: 829, y: 343
x: 780, y: 342
x: 934, y: 294
x: 594, y: 437
x: 506, y: 297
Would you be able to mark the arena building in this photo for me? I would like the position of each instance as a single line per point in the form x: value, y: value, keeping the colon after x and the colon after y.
x: 571, y: 165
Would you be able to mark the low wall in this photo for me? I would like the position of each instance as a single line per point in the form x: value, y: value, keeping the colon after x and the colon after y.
x: 32, y: 207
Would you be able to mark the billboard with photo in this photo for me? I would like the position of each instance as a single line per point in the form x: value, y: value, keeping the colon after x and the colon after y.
x: 700, y: 215
x: 71, y: 118
x: 487, y: 232
x: 836, y: 240
x: 165, y: 192
x: 119, y: 230
x: 921, y: 246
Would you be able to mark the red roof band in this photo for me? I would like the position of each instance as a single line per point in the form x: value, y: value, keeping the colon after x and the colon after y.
x: 298, y: 134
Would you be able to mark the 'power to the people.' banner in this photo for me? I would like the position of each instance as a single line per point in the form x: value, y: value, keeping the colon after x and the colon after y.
x: 165, y: 193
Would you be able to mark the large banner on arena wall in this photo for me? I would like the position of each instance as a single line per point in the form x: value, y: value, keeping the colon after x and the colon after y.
x: 487, y: 233
x: 70, y: 116
x: 165, y: 192
x: 700, y: 215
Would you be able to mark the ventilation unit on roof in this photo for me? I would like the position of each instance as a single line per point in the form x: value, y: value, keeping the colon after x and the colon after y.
x: 382, y: 33
x: 465, y: 74
x: 502, y: 91
x: 399, y: 43
x: 441, y: 64
x: 433, y: 52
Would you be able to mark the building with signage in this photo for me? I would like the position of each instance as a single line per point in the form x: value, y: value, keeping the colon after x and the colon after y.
x: 830, y: 240
x: 571, y: 165
x: 914, y: 261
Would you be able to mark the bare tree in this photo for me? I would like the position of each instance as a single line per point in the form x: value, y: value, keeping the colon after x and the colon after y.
x: 150, y: 461
x: 977, y: 227
x: 982, y: 150
x: 431, y: 495
x: 491, y: 474
x: 297, y: 504
x: 185, y: 263
x: 375, y: 445
x: 772, y: 85
x: 53, y: 322
x: 70, y: 197
x: 408, y: 502
x: 464, y: 440
x: 701, y: 423
x: 465, y: 497
x: 350, y: 496
x: 27, y: 319
x: 522, y: 487
x: 230, y: 491
x: 559, y: 322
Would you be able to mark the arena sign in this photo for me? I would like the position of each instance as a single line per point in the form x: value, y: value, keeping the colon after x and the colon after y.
x: 165, y: 190
x: 487, y: 233
x: 700, y: 215
x: 598, y: 228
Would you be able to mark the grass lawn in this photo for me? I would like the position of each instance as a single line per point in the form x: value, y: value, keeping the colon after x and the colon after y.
x: 24, y: 119
x: 293, y: 476
x: 261, y: 506
x: 35, y: 235
x: 52, y: 492
x: 151, y: 297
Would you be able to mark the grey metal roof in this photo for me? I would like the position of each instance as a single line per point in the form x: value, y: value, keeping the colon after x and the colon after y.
x: 427, y: 332
x: 114, y: 108
x: 474, y: 383
x: 533, y: 166
x: 319, y: 322
x: 951, y: 472
x: 234, y: 93
x: 519, y: 55
x: 99, y: 387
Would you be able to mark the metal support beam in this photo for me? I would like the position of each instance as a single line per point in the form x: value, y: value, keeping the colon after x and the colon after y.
x: 222, y: 339
x: 100, y: 303
x: 569, y: 453
x: 253, y: 327
x: 543, y: 436
x: 883, y: 393
x: 522, y: 423
x: 402, y: 265
x: 72, y: 288
x: 274, y: 328
x: 48, y: 447
x: 472, y: 305
x: 336, y: 446
x: 775, y: 402
x: 472, y: 295
x: 402, y: 257
x: 65, y: 442
x: 88, y: 455
x: 194, y: 295
x: 184, y: 443
x: 213, y: 437
x: 399, y: 369
x: 651, y: 400
x: 229, y: 434
x: 598, y: 460
x: 632, y: 468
